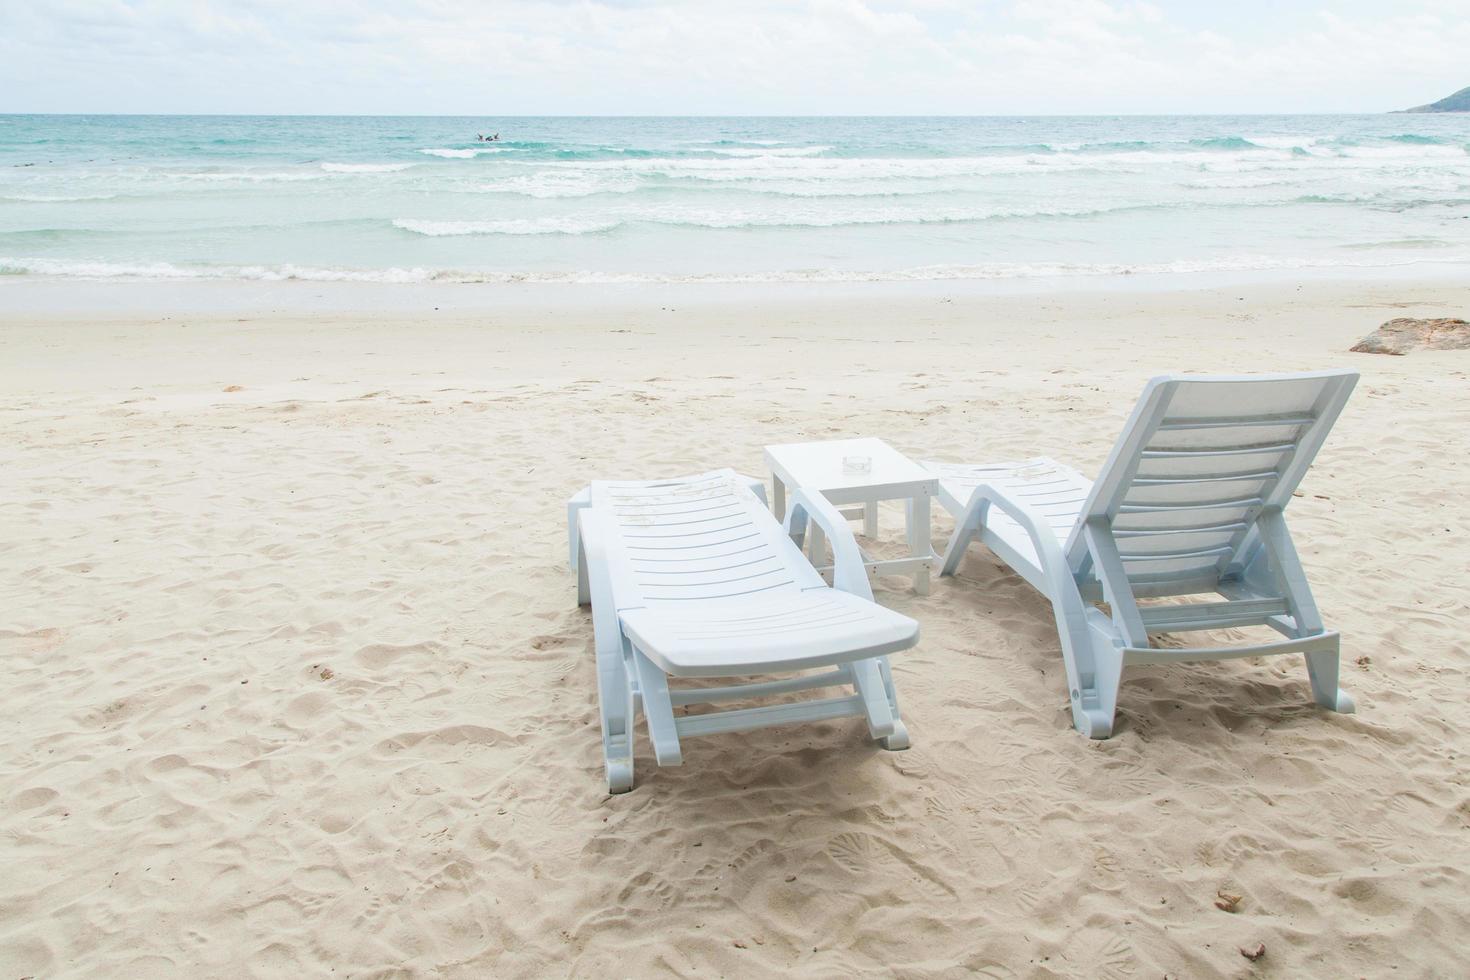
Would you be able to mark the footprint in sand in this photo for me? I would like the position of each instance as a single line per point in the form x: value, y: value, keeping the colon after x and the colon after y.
x: 716, y: 869
x: 25, y: 957
x: 378, y: 656
x: 30, y: 799
x: 305, y: 709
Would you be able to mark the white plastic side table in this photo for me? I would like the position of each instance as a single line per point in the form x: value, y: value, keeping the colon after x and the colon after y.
x: 835, y: 470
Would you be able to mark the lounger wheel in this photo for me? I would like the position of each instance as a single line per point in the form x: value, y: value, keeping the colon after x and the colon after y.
x: 619, y: 775
x: 899, y: 740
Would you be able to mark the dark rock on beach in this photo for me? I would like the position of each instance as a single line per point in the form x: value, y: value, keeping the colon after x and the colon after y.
x: 1401, y: 335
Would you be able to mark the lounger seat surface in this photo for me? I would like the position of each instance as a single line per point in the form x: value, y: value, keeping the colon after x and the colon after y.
x: 798, y: 631
x: 694, y: 577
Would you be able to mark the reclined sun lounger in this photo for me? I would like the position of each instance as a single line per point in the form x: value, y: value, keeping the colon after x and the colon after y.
x: 694, y: 577
x: 1190, y: 502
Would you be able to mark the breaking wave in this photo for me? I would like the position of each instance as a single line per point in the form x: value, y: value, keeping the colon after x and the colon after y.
x: 365, y: 168
x: 467, y: 153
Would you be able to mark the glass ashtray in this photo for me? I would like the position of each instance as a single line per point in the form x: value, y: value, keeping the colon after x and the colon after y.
x: 857, y: 464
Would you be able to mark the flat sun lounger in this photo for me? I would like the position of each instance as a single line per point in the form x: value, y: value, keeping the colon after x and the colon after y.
x: 1190, y: 502
x: 694, y: 578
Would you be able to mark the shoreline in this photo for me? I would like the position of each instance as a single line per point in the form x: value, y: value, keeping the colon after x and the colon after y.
x: 63, y: 297
x: 284, y: 340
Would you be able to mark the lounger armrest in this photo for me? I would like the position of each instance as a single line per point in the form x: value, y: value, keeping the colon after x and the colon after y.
x: 594, y: 580
x: 1048, y: 550
x: 757, y: 486
x: 848, y: 571
x: 1061, y: 585
x: 1073, y: 630
x: 577, y: 503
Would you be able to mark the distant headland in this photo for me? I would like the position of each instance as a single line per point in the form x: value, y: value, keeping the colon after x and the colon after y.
x: 1459, y: 102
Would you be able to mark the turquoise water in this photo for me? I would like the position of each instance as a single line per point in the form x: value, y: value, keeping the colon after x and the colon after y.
x: 728, y: 199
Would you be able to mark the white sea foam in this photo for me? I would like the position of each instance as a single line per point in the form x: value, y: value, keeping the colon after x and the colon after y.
x: 763, y: 165
x: 734, y: 218
x: 731, y: 142
x: 1412, y: 152
x: 247, y: 176
x: 827, y: 216
x: 767, y: 167
x: 1241, y: 182
x: 849, y: 187
x: 171, y: 271
x: 660, y: 198
x: 769, y: 151
x: 55, y: 198
x: 450, y: 153
x: 557, y: 184
x: 365, y: 168
x: 511, y: 226
x: 1287, y: 143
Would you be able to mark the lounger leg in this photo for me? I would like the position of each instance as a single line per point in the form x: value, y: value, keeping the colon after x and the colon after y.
x: 658, y: 711
x: 615, y: 699
x: 868, y: 680
x: 965, y: 530
x: 1093, y: 661
x: 1091, y: 656
x: 899, y: 740
x: 1322, y: 668
x: 584, y: 583
x: 615, y: 696
x: 1095, y: 693
x: 574, y: 507
x: 1284, y: 567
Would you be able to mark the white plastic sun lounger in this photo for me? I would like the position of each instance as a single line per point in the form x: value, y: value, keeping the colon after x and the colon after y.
x: 1190, y: 502
x: 694, y: 577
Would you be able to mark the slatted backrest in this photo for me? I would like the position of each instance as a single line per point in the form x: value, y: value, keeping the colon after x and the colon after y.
x: 1198, y: 461
x: 696, y: 537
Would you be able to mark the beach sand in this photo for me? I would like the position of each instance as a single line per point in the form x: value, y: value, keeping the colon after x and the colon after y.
x: 296, y: 683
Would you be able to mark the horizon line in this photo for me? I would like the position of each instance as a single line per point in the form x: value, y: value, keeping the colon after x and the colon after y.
x: 698, y: 115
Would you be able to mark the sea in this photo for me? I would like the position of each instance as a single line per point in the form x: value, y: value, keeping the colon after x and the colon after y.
x: 731, y: 199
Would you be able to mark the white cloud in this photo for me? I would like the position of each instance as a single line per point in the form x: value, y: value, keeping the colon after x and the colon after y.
x: 701, y: 56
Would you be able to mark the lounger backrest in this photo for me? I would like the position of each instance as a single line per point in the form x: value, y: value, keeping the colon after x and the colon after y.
x: 701, y: 537
x: 1197, y: 463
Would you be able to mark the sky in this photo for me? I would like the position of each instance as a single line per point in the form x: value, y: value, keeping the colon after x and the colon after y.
x: 736, y: 57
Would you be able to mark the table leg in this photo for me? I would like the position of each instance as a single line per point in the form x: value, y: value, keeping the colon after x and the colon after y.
x: 921, y: 544
x: 870, y: 519
x: 778, y: 504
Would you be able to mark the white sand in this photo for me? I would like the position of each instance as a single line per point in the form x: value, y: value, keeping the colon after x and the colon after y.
x: 295, y: 681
